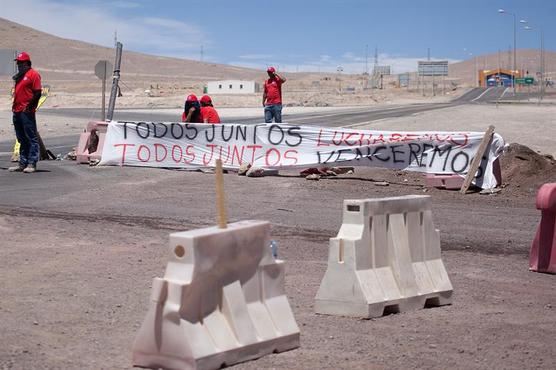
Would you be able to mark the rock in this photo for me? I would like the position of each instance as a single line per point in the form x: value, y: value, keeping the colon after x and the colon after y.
x: 341, y: 170
x: 381, y: 183
x: 490, y: 191
x: 243, y: 169
x: 255, y: 172
x: 313, y: 176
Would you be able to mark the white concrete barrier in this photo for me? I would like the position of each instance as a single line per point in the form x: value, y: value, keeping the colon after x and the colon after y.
x: 385, y: 259
x: 221, y: 301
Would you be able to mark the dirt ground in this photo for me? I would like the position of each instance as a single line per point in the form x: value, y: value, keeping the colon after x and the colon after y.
x: 77, y: 265
x: 78, y: 269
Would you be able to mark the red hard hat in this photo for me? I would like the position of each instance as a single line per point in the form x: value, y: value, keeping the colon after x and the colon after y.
x: 191, y: 97
x: 206, y: 99
x: 271, y: 69
x: 23, y: 57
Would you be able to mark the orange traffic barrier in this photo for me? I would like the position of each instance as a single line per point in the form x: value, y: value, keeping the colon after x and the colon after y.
x: 91, y: 142
x: 543, y: 250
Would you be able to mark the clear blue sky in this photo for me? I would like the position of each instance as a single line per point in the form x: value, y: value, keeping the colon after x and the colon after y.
x: 296, y: 35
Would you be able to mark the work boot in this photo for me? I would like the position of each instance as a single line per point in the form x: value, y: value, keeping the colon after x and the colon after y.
x: 19, y: 168
x: 30, y: 168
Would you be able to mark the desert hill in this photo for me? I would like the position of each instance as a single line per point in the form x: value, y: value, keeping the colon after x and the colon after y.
x: 73, y: 61
x: 526, y: 59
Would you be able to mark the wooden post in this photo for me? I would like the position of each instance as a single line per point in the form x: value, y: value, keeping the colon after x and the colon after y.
x: 477, y: 160
x: 220, y: 201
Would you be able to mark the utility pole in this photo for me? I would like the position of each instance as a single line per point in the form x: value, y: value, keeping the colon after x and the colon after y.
x: 202, y: 52
x: 367, y: 60
x: 366, y: 66
x: 542, y: 64
x: 514, y: 71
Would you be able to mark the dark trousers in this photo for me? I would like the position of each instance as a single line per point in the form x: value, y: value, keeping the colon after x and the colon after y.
x: 26, y: 132
x: 273, y: 111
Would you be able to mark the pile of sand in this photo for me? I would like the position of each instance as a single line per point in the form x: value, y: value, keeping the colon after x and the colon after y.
x: 526, y: 169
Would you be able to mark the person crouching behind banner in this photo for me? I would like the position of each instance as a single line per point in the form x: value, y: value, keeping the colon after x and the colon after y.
x: 27, y: 93
x: 192, y: 110
x: 208, y: 113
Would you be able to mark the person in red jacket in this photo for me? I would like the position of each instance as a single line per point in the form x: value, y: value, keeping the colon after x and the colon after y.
x: 272, y: 96
x: 208, y: 113
x: 27, y: 93
x: 192, y: 110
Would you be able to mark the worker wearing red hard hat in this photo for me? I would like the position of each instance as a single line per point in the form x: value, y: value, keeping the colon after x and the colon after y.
x: 191, y: 110
x: 208, y: 113
x: 272, y: 96
x: 27, y: 92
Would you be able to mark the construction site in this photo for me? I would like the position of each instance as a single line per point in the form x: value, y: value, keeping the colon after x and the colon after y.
x: 393, y: 220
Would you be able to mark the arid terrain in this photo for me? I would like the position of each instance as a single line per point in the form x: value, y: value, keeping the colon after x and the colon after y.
x: 81, y: 245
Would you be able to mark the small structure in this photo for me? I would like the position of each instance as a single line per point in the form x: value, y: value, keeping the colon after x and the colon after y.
x: 497, y: 77
x: 232, y: 87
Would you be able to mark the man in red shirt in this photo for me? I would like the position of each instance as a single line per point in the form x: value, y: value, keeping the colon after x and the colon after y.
x: 272, y: 96
x: 27, y: 93
x: 209, y: 114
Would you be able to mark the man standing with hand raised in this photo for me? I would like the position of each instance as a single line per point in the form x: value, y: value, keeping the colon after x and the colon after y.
x: 272, y: 96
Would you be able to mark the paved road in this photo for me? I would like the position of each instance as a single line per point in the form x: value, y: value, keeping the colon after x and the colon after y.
x: 357, y: 116
x: 354, y: 118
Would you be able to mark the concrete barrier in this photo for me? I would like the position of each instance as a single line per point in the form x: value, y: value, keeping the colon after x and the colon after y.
x: 450, y: 182
x: 385, y: 259
x: 91, y: 142
x: 543, y: 250
x: 221, y: 301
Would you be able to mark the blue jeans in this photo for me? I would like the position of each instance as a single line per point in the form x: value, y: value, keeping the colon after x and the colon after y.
x: 26, y: 132
x: 273, y: 111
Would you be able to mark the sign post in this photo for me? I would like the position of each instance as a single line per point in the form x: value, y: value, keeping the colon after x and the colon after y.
x: 102, y: 70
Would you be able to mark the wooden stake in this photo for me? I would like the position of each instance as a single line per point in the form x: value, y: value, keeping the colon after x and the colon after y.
x: 220, y: 200
x: 477, y: 160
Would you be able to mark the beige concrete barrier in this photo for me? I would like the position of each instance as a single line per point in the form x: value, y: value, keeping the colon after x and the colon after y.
x: 221, y: 301
x: 385, y: 259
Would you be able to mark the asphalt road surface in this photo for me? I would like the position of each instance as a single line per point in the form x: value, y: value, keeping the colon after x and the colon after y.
x: 80, y: 246
x: 353, y: 118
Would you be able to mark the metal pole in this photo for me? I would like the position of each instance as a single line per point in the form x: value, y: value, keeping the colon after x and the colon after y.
x: 515, y: 51
x: 542, y: 64
x: 104, y: 95
x: 476, y: 72
x: 115, y: 80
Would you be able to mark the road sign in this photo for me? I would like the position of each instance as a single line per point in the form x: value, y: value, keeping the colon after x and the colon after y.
x: 525, y: 81
x: 433, y: 68
x: 7, y: 65
x: 103, y: 69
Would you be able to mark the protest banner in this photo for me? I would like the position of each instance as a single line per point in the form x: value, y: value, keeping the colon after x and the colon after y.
x: 279, y: 146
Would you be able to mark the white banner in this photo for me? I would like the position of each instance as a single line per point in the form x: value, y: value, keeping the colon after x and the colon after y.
x: 181, y: 145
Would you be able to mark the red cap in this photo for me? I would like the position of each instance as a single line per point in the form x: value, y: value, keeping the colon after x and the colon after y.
x: 271, y: 69
x: 23, y: 57
x: 191, y: 97
x: 206, y: 99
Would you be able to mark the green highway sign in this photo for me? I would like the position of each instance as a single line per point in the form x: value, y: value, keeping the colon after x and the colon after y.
x: 525, y: 81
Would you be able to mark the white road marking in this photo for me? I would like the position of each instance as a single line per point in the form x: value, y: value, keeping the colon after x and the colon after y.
x: 480, y: 96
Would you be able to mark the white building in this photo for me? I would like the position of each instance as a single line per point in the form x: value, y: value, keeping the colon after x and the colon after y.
x: 232, y: 87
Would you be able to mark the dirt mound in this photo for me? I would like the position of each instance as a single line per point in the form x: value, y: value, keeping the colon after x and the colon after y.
x: 522, y: 167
